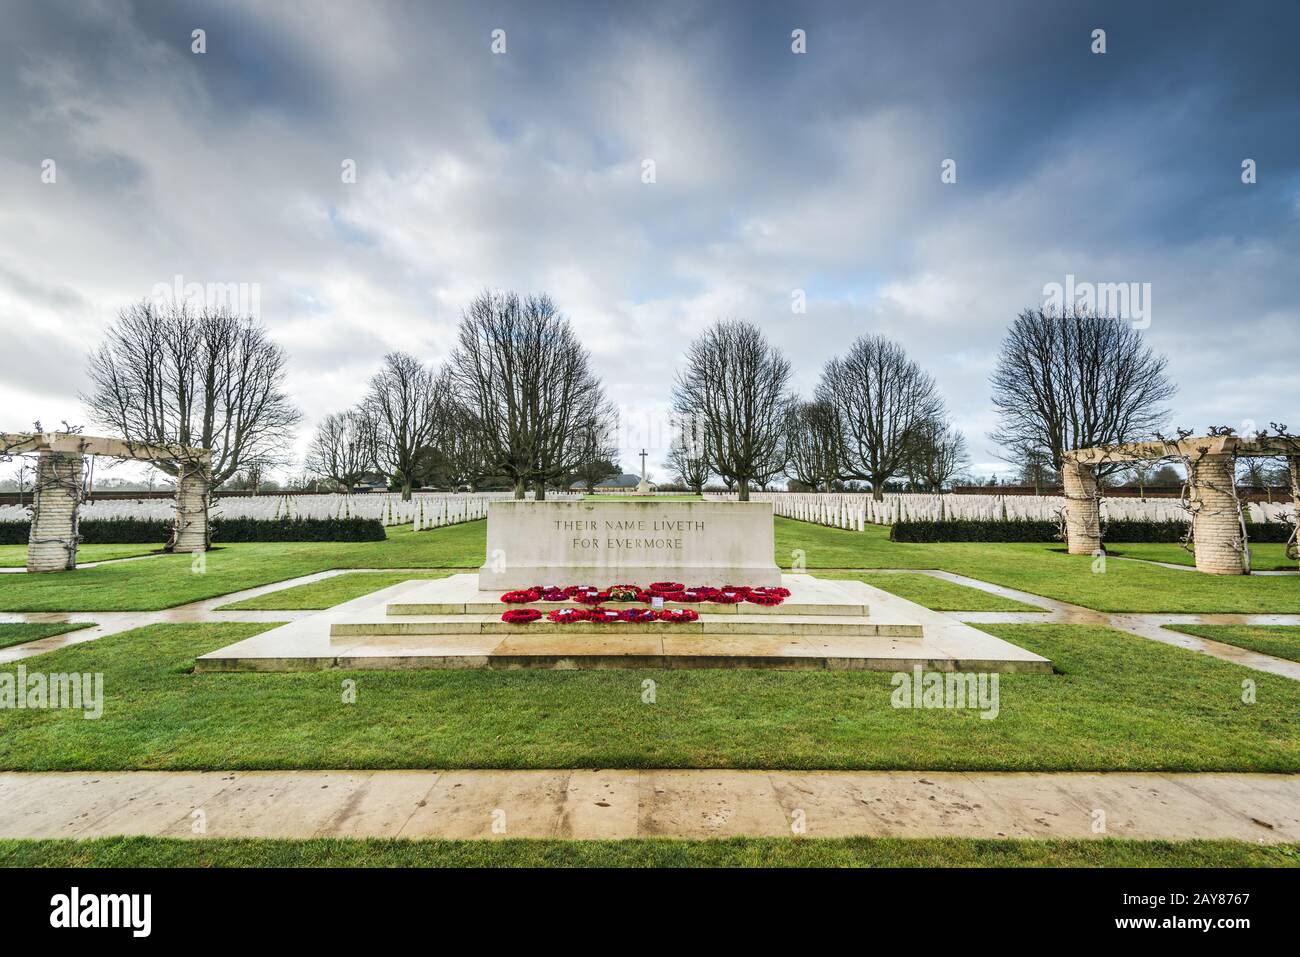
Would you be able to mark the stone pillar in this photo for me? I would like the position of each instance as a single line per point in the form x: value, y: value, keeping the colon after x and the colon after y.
x: 1082, y: 512
x: 52, y: 542
x: 191, y: 532
x: 1216, y: 522
x: 1293, y: 467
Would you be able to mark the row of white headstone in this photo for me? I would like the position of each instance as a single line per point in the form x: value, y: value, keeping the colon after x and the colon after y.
x: 424, y: 509
x: 855, y: 511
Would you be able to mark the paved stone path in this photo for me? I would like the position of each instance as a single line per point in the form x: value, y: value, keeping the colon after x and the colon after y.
x: 593, y: 804
x: 113, y: 622
x: 1144, y: 625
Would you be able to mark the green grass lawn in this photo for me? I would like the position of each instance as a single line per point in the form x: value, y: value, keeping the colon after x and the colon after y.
x: 170, y: 579
x: 15, y: 556
x: 1042, y: 569
x: 936, y: 593
x: 658, y: 852
x: 20, y: 633
x: 1119, y: 703
x: 1264, y: 557
x: 1039, y: 568
x: 1281, y: 641
x: 326, y: 593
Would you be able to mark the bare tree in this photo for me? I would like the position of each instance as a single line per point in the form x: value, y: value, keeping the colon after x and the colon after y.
x: 1258, y: 473
x: 597, y: 454
x: 1141, y: 473
x: 936, y: 454
x: 1034, y: 468
x: 735, y: 384
x: 169, y: 374
x: 879, y: 395
x: 686, y: 454
x: 401, y: 416
x: 528, y: 381
x: 1076, y: 380
x: 813, y: 443
x: 340, y: 451
x: 462, y: 457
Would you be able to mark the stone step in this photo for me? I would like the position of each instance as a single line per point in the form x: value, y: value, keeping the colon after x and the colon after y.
x: 496, y: 607
x: 729, y: 625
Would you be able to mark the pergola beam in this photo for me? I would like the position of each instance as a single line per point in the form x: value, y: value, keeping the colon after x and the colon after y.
x: 1184, y: 449
x: 52, y: 541
x: 1217, y: 528
x: 26, y: 443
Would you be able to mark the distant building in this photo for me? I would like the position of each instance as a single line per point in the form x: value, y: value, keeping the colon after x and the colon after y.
x: 615, y: 483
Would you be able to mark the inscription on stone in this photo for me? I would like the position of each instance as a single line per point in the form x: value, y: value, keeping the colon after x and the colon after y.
x: 605, y: 543
x: 612, y: 534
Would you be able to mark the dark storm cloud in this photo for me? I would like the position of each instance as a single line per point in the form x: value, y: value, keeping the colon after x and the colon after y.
x: 775, y: 172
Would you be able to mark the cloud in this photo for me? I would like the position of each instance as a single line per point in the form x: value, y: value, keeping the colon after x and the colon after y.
x: 775, y: 172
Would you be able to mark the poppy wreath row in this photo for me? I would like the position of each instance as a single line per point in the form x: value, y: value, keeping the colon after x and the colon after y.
x: 668, y: 591
x: 567, y: 616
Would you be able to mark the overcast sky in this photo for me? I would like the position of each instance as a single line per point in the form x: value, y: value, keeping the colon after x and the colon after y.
x: 774, y: 172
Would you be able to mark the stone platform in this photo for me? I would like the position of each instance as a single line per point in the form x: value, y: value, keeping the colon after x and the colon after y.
x: 451, y: 623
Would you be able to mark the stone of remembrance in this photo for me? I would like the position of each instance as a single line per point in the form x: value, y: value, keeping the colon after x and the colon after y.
x: 636, y: 542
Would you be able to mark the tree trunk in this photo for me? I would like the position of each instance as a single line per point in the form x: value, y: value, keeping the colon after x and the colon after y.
x: 744, y: 490
x: 877, y: 491
x: 519, y: 488
x: 539, y: 492
x: 406, y: 489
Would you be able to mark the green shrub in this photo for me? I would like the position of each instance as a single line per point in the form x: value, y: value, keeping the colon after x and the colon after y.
x: 101, y: 531
x: 14, y: 533
x: 297, y: 530
x: 1023, y: 530
x: 158, y: 531
x: 975, y: 530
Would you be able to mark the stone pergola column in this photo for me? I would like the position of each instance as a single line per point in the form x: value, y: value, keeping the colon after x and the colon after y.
x: 52, y: 541
x: 1293, y: 467
x: 191, y: 533
x: 1216, y: 521
x: 1082, y: 512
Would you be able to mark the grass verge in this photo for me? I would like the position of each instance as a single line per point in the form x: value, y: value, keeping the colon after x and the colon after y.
x: 1267, y: 556
x: 1280, y: 641
x: 15, y: 556
x: 658, y: 852
x: 1119, y: 703
x: 936, y: 593
x: 325, y: 593
x: 21, y: 632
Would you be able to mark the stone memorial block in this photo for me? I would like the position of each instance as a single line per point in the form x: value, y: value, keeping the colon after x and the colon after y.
x: 632, y: 542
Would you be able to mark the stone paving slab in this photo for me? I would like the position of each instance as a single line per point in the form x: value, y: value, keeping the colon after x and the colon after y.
x: 599, y: 804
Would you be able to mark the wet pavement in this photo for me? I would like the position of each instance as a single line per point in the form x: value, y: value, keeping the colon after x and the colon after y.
x: 613, y: 804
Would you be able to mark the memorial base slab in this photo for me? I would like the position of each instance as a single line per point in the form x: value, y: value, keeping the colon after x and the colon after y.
x: 454, y: 623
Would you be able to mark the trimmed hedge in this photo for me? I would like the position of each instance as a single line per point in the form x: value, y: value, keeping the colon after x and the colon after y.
x: 974, y: 530
x: 158, y: 531
x: 297, y: 530
x: 1136, y: 530
x: 1013, y: 530
x: 101, y: 531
